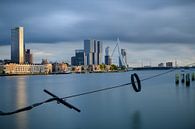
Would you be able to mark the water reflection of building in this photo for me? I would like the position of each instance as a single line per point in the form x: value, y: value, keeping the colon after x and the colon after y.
x: 136, y: 120
x: 21, y: 101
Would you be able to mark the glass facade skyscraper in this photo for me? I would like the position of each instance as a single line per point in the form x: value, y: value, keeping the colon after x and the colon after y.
x: 28, y: 57
x: 17, y: 45
x: 93, y: 52
x: 108, y: 60
x: 79, y: 58
x: 123, y: 58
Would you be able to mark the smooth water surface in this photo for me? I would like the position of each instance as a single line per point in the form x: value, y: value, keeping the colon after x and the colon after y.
x: 160, y: 105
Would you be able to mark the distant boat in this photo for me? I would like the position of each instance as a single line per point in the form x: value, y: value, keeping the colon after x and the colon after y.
x: 67, y: 72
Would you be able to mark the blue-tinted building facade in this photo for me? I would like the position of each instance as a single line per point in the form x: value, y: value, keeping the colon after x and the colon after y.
x: 93, y: 52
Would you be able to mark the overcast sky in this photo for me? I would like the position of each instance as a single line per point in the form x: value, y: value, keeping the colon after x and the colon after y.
x: 150, y: 26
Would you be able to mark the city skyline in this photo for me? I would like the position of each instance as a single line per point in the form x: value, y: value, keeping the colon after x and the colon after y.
x: 63, y: 51
x: 158, y: 31
x: 97, y: 64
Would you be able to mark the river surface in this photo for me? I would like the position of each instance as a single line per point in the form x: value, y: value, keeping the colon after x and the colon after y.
x: 160, y: 104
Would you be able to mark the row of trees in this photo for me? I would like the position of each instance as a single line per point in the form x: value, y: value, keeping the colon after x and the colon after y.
x: 101, y: 67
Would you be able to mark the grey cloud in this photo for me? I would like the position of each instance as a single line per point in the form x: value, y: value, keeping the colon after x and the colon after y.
x: 151, y: 21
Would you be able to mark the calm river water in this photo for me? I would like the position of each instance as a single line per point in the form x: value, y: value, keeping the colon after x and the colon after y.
x: 160, y: 105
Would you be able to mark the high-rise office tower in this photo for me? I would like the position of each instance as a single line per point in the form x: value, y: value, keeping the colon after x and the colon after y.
x: 108, y: 60
x: 28, y: 57
x: 123, y: 58
x: 93, y: 52
x: 89, y: 50
x: 17, y: 45
x: 99, y: 52
x: 79, y: 58
x: 80, y: 55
